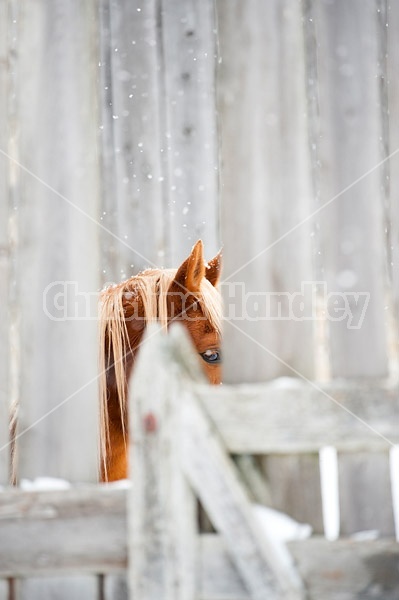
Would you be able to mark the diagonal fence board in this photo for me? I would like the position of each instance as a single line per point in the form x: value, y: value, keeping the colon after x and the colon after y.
x: 216, y: 482
x: 171, y: 431
x: 264, y: 568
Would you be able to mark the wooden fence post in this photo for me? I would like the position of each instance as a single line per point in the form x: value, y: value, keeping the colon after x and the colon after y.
x: 162, y: 509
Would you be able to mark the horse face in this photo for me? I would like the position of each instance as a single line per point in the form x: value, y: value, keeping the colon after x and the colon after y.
x: 207, y: 341
x: 193, y: 300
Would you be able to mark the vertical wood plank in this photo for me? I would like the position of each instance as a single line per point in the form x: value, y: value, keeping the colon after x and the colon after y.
x: 109, y: 256
x: 131, y: 110
x: 4, y: 247
x: 58, y: 240
x: 350, y: 146
x: 159, y: 115
x: 189, y: 51
x: 57, y: 192
x: 162, y: 509
x: 266, y: 192
x: 392, y: 146
x: 116, y: 587
x: 295, y: 487
x: 365, y: 493
x: 266, y: 186
x: 4, y: 589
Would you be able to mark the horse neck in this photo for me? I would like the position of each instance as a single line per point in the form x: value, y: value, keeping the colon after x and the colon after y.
x: 115, y: 466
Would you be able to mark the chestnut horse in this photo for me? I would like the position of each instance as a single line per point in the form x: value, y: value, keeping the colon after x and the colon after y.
x: 189, y: 294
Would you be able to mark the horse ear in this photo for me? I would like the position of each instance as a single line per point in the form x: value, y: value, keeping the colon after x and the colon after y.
x: 191, y: 272
x: 213, y: 269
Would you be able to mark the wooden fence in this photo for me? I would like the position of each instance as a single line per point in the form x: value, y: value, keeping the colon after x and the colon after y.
x: 115, y: 118
x: 152, y: 527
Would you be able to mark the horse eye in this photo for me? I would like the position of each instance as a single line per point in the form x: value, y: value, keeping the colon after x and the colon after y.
x: 211, y: 356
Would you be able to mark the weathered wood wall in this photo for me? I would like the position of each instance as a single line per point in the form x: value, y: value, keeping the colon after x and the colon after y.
x: 309, y: 179
x: 53, y: 208
x: 315, y: 121
x: 114, y: 120
x: 158, y: 132
x: 109, y: 165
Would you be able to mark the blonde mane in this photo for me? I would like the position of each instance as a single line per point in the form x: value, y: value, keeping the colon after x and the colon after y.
x: 148, y: 289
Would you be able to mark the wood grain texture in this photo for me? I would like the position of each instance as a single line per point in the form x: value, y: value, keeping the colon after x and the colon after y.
x: 115, y: 587
x: 57, y: 588
x: 110, y: 255
x: 4, y: 589
x: 216, y: 482
x: 162, y: 507
x: 189, y: 54
x: 349, y: 151
x: 58, y: 235
x: 345, y: 567
x: 200, y: 456
x: 351, y: 147
x: 294, y: 482
x: 265, y: 188
x: 5, y: 249
x: 158, y: 133
x: 133, y: 136
x: 274, y: 418
x: 365, y: 493
x: 348, y: 569
x: 57, y: 193
x: 78, y: 530
x: 218, y: 577
x: 389, y: 67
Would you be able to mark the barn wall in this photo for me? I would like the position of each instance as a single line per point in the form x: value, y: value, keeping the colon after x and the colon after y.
x: 116, y: 117
x: 308, y: 118
x: 158, y: 139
